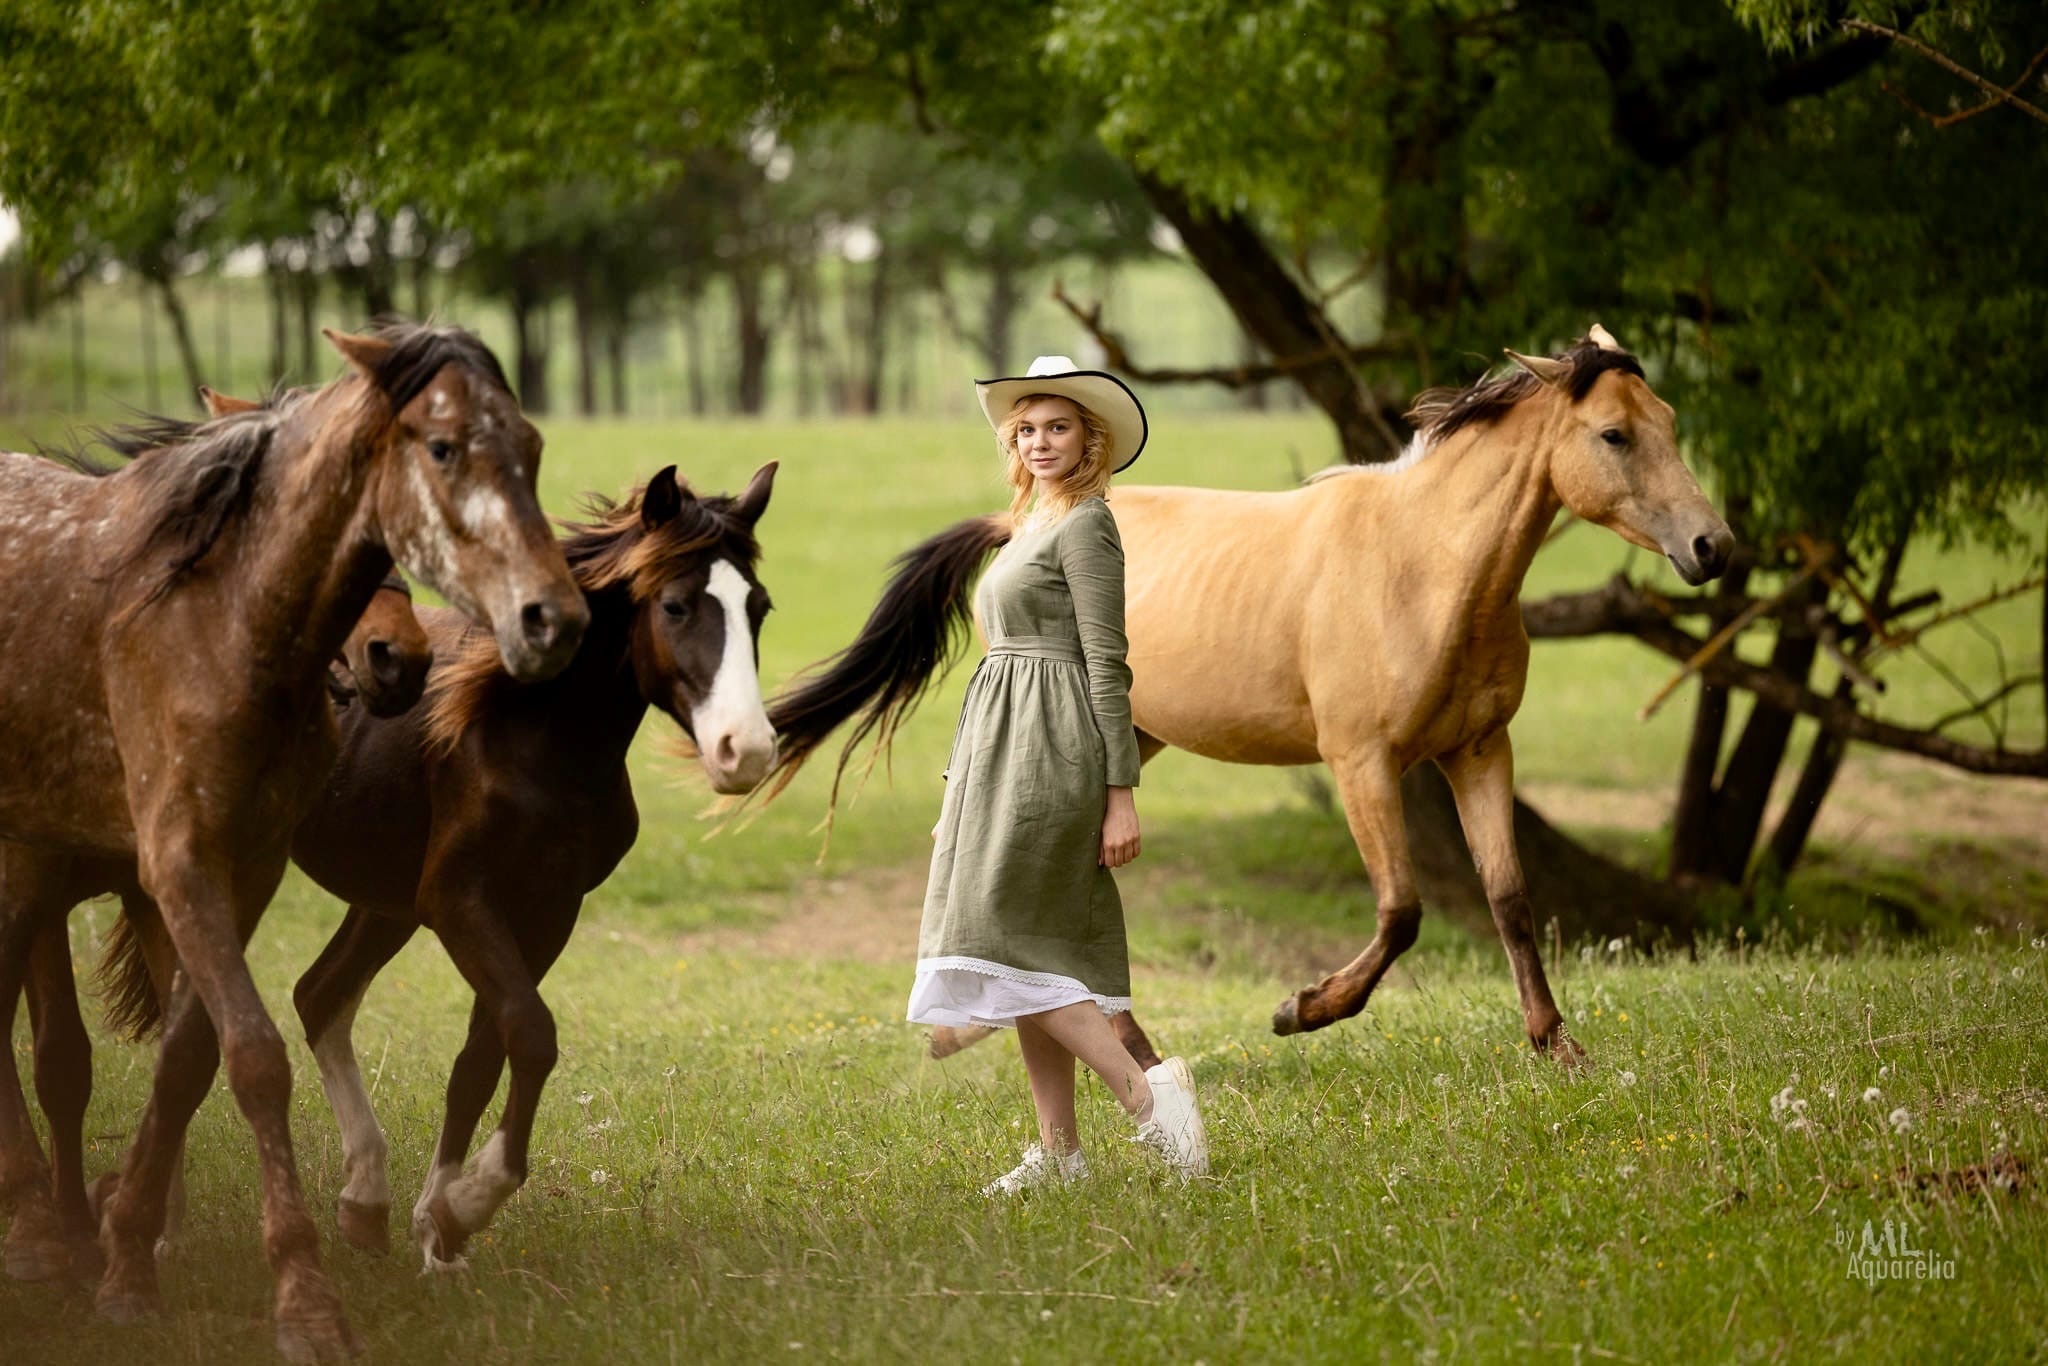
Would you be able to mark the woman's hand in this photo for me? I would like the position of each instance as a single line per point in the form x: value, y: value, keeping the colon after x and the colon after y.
x: 1119, y: 827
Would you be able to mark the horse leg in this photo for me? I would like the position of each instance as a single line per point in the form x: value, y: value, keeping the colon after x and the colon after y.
x: 209, y: 905
x: 24, y: 1175
x: 327, y: 997
x: 505, y: 965
x: 64, y: 1246
x: 1370, y: 785
x: 1482, y: 778
x: 471, y: 1082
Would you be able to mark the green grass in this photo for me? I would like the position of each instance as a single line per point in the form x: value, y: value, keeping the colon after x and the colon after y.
x: 779, y: 1164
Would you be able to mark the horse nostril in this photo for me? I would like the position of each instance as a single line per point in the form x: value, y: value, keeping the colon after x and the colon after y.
x: 538, y: 621
x: 383, y: 662
x: 1707, y: 554
x: 726, y: 754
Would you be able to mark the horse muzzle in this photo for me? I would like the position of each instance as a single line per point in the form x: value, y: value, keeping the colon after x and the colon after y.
x: 1705, y: 556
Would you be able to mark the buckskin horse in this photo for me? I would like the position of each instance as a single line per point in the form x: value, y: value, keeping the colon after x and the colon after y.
x: 1369, y: 620
x: 165, y: 635
x: 491, y: 812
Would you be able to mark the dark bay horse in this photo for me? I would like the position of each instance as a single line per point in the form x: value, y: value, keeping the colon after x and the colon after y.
x: 1369, y: 620
x: 165, y: 634
x: 491, y: 812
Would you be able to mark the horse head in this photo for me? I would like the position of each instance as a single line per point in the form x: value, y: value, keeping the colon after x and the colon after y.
x: 697, y: 625
x: 1614, y: 457
x: 453, y: 471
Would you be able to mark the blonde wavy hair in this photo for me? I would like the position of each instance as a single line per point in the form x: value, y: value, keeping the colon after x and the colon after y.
x: 1089, y: 477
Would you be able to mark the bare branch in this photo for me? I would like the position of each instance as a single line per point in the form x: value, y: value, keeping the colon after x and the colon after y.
x: 1998, y: 94
x: 1118, y: 356
x: 1721, y: 638
x: 1994, y: 597
x: 1620, y: 607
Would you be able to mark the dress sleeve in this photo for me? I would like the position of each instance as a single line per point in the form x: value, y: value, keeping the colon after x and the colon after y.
x: 1092, y: 558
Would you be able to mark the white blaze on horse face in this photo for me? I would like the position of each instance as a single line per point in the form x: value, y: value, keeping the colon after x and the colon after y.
x: 732, y: 728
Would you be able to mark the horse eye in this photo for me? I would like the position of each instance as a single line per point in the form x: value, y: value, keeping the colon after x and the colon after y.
x: 1613, y: 437
x: 677, y: 610
x: 440, y: 451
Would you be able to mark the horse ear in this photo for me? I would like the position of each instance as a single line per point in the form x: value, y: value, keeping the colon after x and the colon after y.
x: 1603, y: 339
x: 364, y: 353
x: 1548, y: 369
x: 220, y: 405
x: 754, y: 501
x: 663, y: 499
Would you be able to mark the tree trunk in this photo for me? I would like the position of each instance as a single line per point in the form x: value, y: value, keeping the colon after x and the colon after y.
x: 585, y: 315
x: 274, y: 289
x: 529, y: 330
x: 693, y: 354
x: 810, y: 341
x: 1004, y: 296
x: 1272, y: 308
x: 78, y: 351
x: 1746, y: 780
x: 306, y: 286
x: 153, y: 400
x: 615, y: 330
x: 1693, y: 815
x: 1588, y: 896
x: 223, y: 337
x: 750, y: 387
x: 875, y: 348
x: 421, y: 268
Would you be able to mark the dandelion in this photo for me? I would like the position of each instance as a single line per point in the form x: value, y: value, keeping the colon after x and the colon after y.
x: 1625, y: 1170
x: 598, y: 1176
x: 1884, y: 1071
x: 1044, y: 1315
x: 1828, y: 1092
x: 1900, y: 1120
x: 1627, y: 1079
x: 1872, y: 1096
x: 1441, y: 1079
x: 1616, y: 945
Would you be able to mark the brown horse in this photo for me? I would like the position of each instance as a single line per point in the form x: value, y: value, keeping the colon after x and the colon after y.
x: 165, y: 633
x: 490, y: 814
x: 383, y: 663
x: 1368, y: 620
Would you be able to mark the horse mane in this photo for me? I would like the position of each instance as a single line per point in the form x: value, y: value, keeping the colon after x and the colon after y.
x: 612, y: 550
x: 1440, y: 413
x: 417, y: 353
x: 200, y: 473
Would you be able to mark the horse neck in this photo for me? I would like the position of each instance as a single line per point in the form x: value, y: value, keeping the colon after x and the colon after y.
x: 597, y: 700
x: 312, y: 560
x: 1488, y: 502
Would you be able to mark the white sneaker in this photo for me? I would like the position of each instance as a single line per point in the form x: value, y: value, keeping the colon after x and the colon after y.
x: 1175, y: 1130
x: 1039, y: 1168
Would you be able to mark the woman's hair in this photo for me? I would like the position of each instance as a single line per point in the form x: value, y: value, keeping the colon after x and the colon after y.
x: 1089, y: 477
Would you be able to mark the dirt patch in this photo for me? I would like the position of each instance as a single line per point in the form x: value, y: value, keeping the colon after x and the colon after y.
x: 868, y: 916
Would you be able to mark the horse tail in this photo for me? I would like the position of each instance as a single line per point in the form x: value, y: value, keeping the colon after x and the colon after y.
x: 912, y: 637
x: 126, y: 984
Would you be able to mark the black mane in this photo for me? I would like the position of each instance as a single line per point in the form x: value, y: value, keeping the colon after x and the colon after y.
x: 1439, y: 413
x: 418, y: 352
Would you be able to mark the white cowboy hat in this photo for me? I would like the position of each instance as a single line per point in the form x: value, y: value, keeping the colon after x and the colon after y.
x: 1100, y: 392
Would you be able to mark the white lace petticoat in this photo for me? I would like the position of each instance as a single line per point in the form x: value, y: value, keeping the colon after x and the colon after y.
x: 974, y: 991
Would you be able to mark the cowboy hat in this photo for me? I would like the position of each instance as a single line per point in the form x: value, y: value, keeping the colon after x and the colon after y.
x: 1101, y: 393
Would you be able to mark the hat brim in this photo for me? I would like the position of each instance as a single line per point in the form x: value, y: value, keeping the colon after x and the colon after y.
x: 1101, y: 393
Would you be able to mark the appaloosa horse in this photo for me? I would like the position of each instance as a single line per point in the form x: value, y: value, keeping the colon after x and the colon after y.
x: 165, y: 634
x: 1368, y: 620
x: 489, y: 815
x: 383, y: 667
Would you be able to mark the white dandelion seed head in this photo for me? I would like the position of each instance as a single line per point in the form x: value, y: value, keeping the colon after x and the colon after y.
x: 598, y: 1176
x: 1627, y: 1079
x: 1900, y: 1120
x: 1872, y: 1096
x: 1616, y: 945
x: 1441, y: 1079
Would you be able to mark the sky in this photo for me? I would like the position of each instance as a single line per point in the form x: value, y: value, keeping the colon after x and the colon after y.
x: 9, y: 229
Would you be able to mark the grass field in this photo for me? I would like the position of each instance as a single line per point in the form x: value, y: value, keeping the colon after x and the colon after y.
x: 743, y: 1155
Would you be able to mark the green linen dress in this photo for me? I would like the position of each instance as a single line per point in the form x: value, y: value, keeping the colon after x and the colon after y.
x: 1019, y: 914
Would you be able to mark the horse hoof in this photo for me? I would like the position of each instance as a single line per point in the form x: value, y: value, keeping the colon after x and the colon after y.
x: 317, y: 1338
x: 1564, y: 1050
x: 1287, y: 1019
x: 124, y: 1306
x: 440, y: 1254
x: 367, y: 1227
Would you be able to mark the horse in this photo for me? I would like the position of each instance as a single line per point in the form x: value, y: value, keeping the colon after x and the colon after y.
x: 383, y: 665
x: 165, y: 633
x: 1369, y: 620
x: 491, y: 812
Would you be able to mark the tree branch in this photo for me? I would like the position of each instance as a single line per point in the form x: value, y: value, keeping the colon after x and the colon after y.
x: 1118, y: 355
x: 1999, y: 94
x: 1619, y: 607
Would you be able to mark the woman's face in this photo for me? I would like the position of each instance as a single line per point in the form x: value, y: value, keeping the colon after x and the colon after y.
x: 1051, y: 439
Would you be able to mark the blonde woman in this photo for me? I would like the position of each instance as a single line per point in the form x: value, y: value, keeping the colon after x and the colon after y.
x: 1022, y: 923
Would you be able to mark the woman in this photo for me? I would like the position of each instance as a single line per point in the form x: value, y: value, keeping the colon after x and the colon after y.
x: 1022, y: 923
